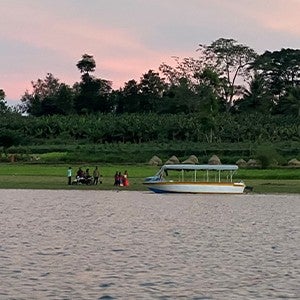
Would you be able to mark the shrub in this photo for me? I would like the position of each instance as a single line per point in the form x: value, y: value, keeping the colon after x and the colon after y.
x: 268, y: 156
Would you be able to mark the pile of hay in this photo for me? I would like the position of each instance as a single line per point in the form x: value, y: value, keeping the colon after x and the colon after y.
x: 191, y: 160
x: 155, y: 161
x: 214, y: 160
x: 253, y: 163
x: 241, y: 163
x: 294, y: 162
x: 172, y: 161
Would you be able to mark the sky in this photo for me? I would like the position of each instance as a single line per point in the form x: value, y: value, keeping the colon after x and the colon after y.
x: 127, y: 38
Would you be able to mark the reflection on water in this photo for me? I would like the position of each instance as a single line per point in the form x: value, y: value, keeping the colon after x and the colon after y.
x: 138, y: 245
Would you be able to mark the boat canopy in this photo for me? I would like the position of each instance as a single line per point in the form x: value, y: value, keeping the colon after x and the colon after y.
x: 189, y: 167
x: 192, y: 167
x: 231, y: 169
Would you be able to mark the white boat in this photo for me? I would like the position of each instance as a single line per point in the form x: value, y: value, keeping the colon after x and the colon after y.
x: 188, y: 178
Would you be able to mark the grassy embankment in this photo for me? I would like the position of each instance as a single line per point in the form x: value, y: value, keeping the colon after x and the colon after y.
x: 45, y: 176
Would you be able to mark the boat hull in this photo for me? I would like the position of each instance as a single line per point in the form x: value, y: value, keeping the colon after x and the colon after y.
x: 196, y: 187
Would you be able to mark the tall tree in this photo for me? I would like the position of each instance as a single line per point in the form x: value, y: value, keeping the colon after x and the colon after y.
x: 93, y: 93
x: 48, y: 97
x: 87, y: 64
x: 223, y: 65
x: 280, y: 69
x: 152, y: 87
x: 231, y: 61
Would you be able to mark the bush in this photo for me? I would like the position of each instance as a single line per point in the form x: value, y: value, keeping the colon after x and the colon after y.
x: 268, y: 156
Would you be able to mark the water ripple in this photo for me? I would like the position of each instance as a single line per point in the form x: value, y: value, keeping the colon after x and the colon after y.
x: 134, y: 245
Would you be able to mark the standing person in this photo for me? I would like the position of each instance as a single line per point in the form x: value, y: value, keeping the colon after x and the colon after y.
x: 96, y: 175
x: 125, y: 179
x: 69, y: 174
x: 120, y: 179
x: 116, y: 179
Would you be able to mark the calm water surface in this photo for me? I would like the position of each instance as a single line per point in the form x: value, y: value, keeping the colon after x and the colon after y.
x: 139, y: 245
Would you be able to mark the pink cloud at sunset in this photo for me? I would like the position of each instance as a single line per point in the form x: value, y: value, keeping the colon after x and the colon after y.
x: 130, y: 37
x: 276, y: 15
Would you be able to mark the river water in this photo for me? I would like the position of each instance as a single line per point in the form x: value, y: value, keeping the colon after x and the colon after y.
x: 139, y: 245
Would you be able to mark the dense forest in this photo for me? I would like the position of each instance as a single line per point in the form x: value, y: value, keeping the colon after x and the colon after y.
x: 228, y: 94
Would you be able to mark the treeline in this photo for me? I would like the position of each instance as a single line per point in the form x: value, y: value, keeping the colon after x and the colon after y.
x: 225, y: 77
x: 229, y: 94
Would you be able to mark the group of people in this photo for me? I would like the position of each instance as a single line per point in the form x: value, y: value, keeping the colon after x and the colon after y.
x: 84, y: 176
x: 121, y: 179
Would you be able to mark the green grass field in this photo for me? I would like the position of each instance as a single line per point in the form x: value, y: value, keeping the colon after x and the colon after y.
x: 44, y: 176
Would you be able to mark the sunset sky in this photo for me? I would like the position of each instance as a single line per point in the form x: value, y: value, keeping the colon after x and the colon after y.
x: 129, y: 37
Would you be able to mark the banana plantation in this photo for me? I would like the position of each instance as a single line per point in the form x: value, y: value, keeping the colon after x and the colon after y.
x: 144, y: 128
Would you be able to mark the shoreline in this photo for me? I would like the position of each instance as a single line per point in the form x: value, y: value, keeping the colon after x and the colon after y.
x: 148, y: 192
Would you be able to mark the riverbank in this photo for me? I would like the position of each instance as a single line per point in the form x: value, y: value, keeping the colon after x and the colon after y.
x: 44, y: 176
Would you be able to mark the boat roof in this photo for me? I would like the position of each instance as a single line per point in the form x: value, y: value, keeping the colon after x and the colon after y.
x: 189, y: 167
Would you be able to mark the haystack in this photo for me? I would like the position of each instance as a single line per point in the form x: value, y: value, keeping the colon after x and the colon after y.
x: 188, y: 161
x: 294, y: 162
x: 194, y: 159
x: 172, y: 160
x: 241, y: 163
x: 253, y: 163
x: 191, y: 160
x: 155, y: 161
x: 214, y: 160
